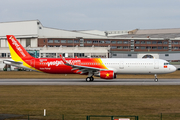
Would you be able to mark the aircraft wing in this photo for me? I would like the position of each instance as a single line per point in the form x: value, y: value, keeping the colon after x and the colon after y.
x: 82, y: 69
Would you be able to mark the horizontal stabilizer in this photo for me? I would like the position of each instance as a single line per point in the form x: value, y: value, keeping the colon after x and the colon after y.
x: 11, y: 62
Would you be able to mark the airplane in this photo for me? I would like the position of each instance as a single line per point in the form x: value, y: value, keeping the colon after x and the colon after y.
x: 105, y: 68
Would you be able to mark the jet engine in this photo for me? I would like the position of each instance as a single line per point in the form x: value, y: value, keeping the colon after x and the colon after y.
x: 107, y: 74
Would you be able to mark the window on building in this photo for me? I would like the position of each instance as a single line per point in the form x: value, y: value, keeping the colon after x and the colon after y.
x: 136, y: 47
x: 119, y: 42
x: 125, y: 47
x: 147, y: 56
x: 142, y: 47
x: 28, y: 42
x: 153, y: 42
x: 143, y: 42
x: 107, y: 42
x: 89, y: 41
x: 175, y: 42
x: 50, y: 41
x: 8, y: 55
x: 137, y: 42
x: 76, y: 41
x: 56, y: 41
x: 114, y: 54
x: 63, y: 41
x: 44, y: 41
x: 166, y: 54
x: 81, y: 40
x: 79, y: 54
x: 165, y: 48
x: 119, y: 47
x: 159, y: 42
x: 154, y: 47
x: 175, y: 48
x: 125, y: 42
x: 148, y: 42
x: 113, y: 47
x: 95, y: 41
x: 81, y: 45
x: 70, y: 41
x: 165, y: 42
x: 101, y: 41
x: 3, y: 54
x: 113, y: 42
x: 159, y: 47
x: 148, y: 47
x: 50, y: 55
x: 129, y: 55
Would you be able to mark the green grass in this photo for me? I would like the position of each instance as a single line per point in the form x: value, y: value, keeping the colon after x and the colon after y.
x: 75, y: 102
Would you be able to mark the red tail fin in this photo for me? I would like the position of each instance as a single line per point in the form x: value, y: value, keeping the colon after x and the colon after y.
x: 17, y: 49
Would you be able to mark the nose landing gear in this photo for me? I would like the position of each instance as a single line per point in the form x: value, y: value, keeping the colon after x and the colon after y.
x: 155, y: 79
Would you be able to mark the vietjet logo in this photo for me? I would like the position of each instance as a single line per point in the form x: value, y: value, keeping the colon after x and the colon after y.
x: 14, y: 42
x: 57, y: 63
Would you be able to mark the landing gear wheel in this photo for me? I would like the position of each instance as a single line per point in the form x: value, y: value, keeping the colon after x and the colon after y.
x: 92, y: 79
x: 88, y: 79
x: 156, y: 79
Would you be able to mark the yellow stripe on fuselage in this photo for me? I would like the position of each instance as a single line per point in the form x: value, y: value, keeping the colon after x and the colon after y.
x: 100, y: 61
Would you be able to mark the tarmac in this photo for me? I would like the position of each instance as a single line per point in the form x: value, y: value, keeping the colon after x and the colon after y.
x: 83, y: 82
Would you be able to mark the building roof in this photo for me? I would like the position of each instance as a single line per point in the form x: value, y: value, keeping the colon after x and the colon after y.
x: 34, y: 28
x: 158, y: 31
x: 21, y: 28
x: 153, y: 33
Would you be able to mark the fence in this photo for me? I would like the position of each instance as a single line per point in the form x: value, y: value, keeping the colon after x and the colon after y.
x: 161, y: 116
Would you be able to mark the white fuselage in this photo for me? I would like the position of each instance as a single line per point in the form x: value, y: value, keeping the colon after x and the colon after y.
x: 138, y: 66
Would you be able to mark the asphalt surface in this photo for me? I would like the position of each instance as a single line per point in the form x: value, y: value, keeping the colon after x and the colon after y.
x: 83, y: 82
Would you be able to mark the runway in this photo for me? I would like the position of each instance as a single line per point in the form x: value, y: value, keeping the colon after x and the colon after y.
x: 83, y: 82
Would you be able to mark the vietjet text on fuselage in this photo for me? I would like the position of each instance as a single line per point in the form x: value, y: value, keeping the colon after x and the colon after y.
x: 105, y: 68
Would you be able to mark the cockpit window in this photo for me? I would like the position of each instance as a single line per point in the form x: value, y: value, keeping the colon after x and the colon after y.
x: 167, y: 64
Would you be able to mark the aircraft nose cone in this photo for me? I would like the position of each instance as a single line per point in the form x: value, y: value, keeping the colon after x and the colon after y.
x: 174, y: 68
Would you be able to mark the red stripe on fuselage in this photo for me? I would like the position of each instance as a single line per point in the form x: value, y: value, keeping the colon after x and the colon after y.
x: 56, y: 65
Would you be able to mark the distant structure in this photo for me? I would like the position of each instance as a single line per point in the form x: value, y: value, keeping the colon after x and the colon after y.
x: 43, y: 42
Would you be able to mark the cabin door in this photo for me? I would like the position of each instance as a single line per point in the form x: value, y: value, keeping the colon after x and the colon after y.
x: 156, y: 64
x: 121, y: 65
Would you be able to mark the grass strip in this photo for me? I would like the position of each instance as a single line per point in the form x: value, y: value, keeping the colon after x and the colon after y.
x: 76, y: 102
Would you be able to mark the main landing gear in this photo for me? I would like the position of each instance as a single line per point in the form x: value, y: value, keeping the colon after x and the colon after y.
x: 155, y: 79
x: 88, y: 79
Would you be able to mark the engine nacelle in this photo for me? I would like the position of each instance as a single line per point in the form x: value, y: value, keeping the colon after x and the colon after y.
x: 108, y: 74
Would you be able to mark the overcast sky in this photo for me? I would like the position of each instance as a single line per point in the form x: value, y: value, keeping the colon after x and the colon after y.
x: 94, y: 14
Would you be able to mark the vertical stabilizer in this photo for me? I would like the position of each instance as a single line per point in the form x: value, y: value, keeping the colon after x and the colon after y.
x: 18, y: 53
